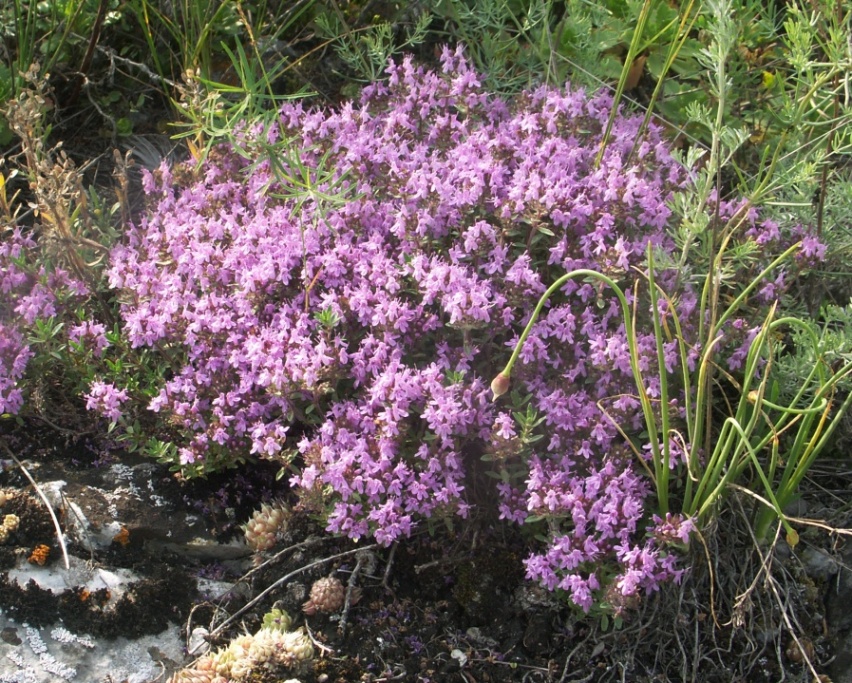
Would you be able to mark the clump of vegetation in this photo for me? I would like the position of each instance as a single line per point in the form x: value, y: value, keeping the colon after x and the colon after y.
x: 334, y: 288
x: 351, y: 289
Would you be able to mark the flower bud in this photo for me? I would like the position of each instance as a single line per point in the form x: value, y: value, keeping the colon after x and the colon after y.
x: 500, y: 385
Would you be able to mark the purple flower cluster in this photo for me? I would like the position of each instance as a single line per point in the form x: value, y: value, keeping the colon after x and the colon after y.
x: 106, y: 399
x: 29, y: 292
x: 370, y: 326
x: 14, y: 356
x: 89, y: 336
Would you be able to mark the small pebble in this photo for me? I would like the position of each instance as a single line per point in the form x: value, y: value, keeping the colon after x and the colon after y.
x: 198, y: 644
x: 459, y: 656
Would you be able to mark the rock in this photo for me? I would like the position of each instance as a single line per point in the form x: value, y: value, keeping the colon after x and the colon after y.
x: 839, y: 619
x: 50, y: 654
x: 99, y: 618
x: 818, y: 564
x: 56, y: 578
x: 119, y: 504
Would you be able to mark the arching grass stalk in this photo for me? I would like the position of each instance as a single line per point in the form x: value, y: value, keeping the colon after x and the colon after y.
x: 759, y: 422
x: 751, y: 438
x: 814, y: 416
x: 733, y: 446
x: 706, y: 475
x: 709, y: 337
x: 500, y: 384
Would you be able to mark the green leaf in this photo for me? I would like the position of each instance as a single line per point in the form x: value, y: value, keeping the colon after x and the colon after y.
x: 124, y: 126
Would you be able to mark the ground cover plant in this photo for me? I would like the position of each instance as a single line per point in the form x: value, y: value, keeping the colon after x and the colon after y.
x: 363, y: 309
x: 370, y: 326
x: 334, y: 290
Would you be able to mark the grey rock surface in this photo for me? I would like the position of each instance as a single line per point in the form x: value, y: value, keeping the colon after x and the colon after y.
x: 102, y: 509
x: 48, y: 655
x: 839, y: 618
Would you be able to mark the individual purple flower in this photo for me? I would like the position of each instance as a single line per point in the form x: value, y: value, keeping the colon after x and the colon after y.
x: 39, y: 302
x: 813, y: 250
x: 105, y: 399
x: 90, y: 336
x: 674, y: 528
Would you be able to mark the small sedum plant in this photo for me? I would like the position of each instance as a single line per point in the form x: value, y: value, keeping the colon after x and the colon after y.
x: 273, y: 650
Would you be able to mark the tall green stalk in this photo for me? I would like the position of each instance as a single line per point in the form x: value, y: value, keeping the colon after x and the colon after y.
x: 632, y: 53
x: 747, y: 436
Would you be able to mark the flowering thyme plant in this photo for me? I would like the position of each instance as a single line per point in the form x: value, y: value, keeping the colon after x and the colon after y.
x: 35, y: 298
x: 334, y: 292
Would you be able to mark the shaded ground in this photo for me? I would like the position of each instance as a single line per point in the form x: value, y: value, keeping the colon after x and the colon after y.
x: 446, y: 606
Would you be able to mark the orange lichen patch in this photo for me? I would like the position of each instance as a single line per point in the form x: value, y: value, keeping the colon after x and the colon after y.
x: 122, y: 537
x: 39, y: 555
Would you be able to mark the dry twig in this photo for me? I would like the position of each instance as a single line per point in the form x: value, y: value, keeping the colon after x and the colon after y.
x: 284, y: 579
x: 59, y: 535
